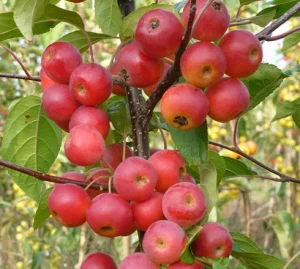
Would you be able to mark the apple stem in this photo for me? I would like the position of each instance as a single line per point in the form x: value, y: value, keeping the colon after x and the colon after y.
x: 89, y: 44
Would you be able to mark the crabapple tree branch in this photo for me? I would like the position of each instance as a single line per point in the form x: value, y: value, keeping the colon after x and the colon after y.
x: 277, y: 37
x: 265, y: 33
x: 49, y: 178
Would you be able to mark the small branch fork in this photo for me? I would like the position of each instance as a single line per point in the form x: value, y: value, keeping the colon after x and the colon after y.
x: 141, y: 111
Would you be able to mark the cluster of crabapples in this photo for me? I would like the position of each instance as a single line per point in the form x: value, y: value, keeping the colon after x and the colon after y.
x: 155, y: 196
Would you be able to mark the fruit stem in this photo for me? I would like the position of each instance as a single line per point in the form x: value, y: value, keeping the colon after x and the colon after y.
x: 18, y: 60
x: 89, y: 44
x: 235, y: 133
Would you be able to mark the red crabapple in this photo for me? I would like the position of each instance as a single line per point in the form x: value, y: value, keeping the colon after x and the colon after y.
x: 98, y: 260
x: 138, y: 261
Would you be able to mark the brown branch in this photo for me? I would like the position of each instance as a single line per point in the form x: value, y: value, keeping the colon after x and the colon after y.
x: 49, y: 178
x: 16, y: 76
x: 174, y: 72
x: 277, y: 37
x: 283, y: 177
x: 265, y: 33
x: 17, y: 59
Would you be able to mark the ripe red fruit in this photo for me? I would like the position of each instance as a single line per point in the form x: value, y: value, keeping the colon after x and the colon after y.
x: 149, y: 90
x: 68, y: 204
x: 135, y: 179
x: 59, y: 103
x: 74, y: 175
x: 158, y: 33
x: 147, y: 212
x: 181, y: 265
x: 93, y: 117
x: 137, y: 69
x: 113, y: 155
x: 213, y: 23
x: 75, y: 1
x: 98, y: 260
x: 45, y: 80
x: 213, y: 241
x: 164, y: 241
x: 184, y: 106
x: 243, y: 53
x: 227, y: 99
x: 203, y: 64
x: 138, y: 261
x: 170, y: 168
x: 91, y: 84
x: 84, y: 145
x: 59, y: 60
x: 184, y: 203
x: 109, y: 215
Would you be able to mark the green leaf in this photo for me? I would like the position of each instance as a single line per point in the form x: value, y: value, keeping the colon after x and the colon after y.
x: 236, y: 168
x: 42, y: 212
x: 118, y: 113
x: 108, y: 16
x: 79, y: 41
x: 31, y: 140
x: 26, y: 12
x: 9, y: 29
x: 129, y: 23
x: 262, y: 83
x: 192, y: 144
x: 258, y: 260
x: 263, y: 19
x: 281, y: 7
x: 286, y: 108
x: 284, y: 227
x: 296, y: 117
x: 291, y: 71
x: 186, y: 255
x: 219, y: 163
x: 51, y: 17
x: 242, y: 243
x: 250, y: 255
x: 247, y: 2
x: 290, y: 41
x: 208, y: 183
x: 156, y: 121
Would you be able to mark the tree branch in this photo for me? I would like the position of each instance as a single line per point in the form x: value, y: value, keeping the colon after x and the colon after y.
x: 49, y: 178
x: 16, y: 76
x: 265, y: 33
x: 283, y: 177
x: 277, y: 37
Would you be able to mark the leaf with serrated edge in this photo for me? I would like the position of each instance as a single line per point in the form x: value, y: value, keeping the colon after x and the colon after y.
x: 129, y: 23
x: 290, y: 41
x: 42, y: 212
x: 262, y: 83
x: 26, y: 12
x: 237, y: 168
x: 242, y: 243
x: 208, y: 184
x: 286, y: 108
x: 30, y: 140
x: 108, y: 16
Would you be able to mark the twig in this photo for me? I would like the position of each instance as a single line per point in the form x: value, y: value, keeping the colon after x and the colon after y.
x: 17, y: 59
x: 277, y: 37
x: 265, y: 33
x: 174, y: 72
x: 89, y: 44
x: 16, y: 76
x: 235, y: 133
x: 237, y: 13
x: 49, y: 178
x: 283, y: 177
x: 291, y: 260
